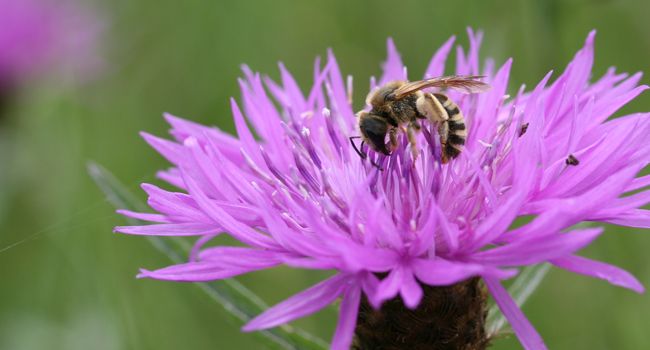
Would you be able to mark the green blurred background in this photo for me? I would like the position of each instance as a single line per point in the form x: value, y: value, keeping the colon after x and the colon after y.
x: 70, y: 283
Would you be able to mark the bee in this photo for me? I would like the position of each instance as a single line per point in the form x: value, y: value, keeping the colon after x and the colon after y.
x: 400, y: 105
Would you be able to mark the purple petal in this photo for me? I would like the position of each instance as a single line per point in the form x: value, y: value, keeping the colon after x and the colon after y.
x: 436, y: 67
x: 172, y: 177
x: 301, y: 304
x: 347, y: 319
x: 193, y: 272
x: 617, y: 103
x: 219, y: 263
x: 244, y: 133
x: 634, y: 218
x: 198, y: 246
x: 234, y: 228
x: 143, y: 216
x: 495, y: 224
x: 528, y: 336
x: 358, y: 257
x: 410, y: 291
x: 177, y: 229
x: 597, y: 269
x: 182, y: 129
x: 338, y: 91
x: 475, y: 40
x: 242, y: 257
x: 548, y: 221
x: 441, y: 272
x: 638, y: 183
x: 532, y: 251
x: 393, y: 67
x: 389, y: 287
x: 172, y: 151
x: 448, y: 231
x: 174, y: 204
x: 296, y: 98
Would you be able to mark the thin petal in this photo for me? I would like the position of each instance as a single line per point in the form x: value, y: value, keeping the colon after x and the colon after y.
x: 181, y: 229
x: 533, y: 251
x: 347, y: 319
x: 143, y: 216
x: 229, y: 145
x: 495, y: 224
x: 393, y: 67
x: 195, y: 272
x: 299, y: 305
x: 597, y: 269
x: 242, y: 257
x: 174, y: 204
x: 411, y: 291
x: 634, y: 218
x: 389, y: 287
x: 296, y: 98
x: 441, y: 272
x: 436, y: 67
x: 528, y: 336
x: 236, y: 229
x: 172, y: 151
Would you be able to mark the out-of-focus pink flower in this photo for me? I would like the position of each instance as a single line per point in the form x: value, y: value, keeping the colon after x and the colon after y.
x: 302, y: 197
x: 37, y: 36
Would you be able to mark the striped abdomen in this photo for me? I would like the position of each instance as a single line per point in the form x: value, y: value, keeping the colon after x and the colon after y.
x: 453, y: 131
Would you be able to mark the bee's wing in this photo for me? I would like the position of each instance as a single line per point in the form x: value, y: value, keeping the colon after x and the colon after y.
x: 463, y: 83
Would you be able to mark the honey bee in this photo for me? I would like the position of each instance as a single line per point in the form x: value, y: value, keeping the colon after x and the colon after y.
x: 399, y: 105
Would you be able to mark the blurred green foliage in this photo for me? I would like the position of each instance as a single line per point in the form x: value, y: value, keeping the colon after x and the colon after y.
x: 68, y: 282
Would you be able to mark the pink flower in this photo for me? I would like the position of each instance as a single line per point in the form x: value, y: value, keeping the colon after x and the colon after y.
x: 37, y: 35
x: 302, y: 197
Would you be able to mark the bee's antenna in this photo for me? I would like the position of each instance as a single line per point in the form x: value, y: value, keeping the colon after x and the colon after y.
x: 354, y: 145
x: 362, y: 154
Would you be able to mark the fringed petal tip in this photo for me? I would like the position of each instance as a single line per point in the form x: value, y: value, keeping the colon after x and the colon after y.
x: 247, y: 328
x: 637, y: 287
x: 170, y: 118
x: 591, y: 38
x: 145, y: 135
x: 144, y: 274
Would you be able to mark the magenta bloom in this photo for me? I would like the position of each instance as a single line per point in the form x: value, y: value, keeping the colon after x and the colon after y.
x: 302, y: 197
x: 36, y: 35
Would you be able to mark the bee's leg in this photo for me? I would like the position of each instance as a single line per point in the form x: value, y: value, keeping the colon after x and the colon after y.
x: 429, y: 106
x: 410, y: 132
x: 443, y: 130
x: 392, y: 135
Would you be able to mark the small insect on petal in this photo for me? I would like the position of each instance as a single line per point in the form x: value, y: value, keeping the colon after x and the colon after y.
x: 572, y: 160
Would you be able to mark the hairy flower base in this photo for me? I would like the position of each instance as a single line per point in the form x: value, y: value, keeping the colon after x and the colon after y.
x: 450, y: 317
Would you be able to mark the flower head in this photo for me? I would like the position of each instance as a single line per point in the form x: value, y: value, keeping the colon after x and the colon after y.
x: 302, y: 197
x: 37, y: 34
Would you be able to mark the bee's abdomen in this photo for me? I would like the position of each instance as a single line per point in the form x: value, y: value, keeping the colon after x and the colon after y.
x: 456, y: 131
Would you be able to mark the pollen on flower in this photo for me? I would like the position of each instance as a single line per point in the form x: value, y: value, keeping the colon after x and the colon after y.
x: 418, y: 232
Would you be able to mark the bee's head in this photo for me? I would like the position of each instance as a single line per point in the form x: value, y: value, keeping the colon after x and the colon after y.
x: 373, y: 131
